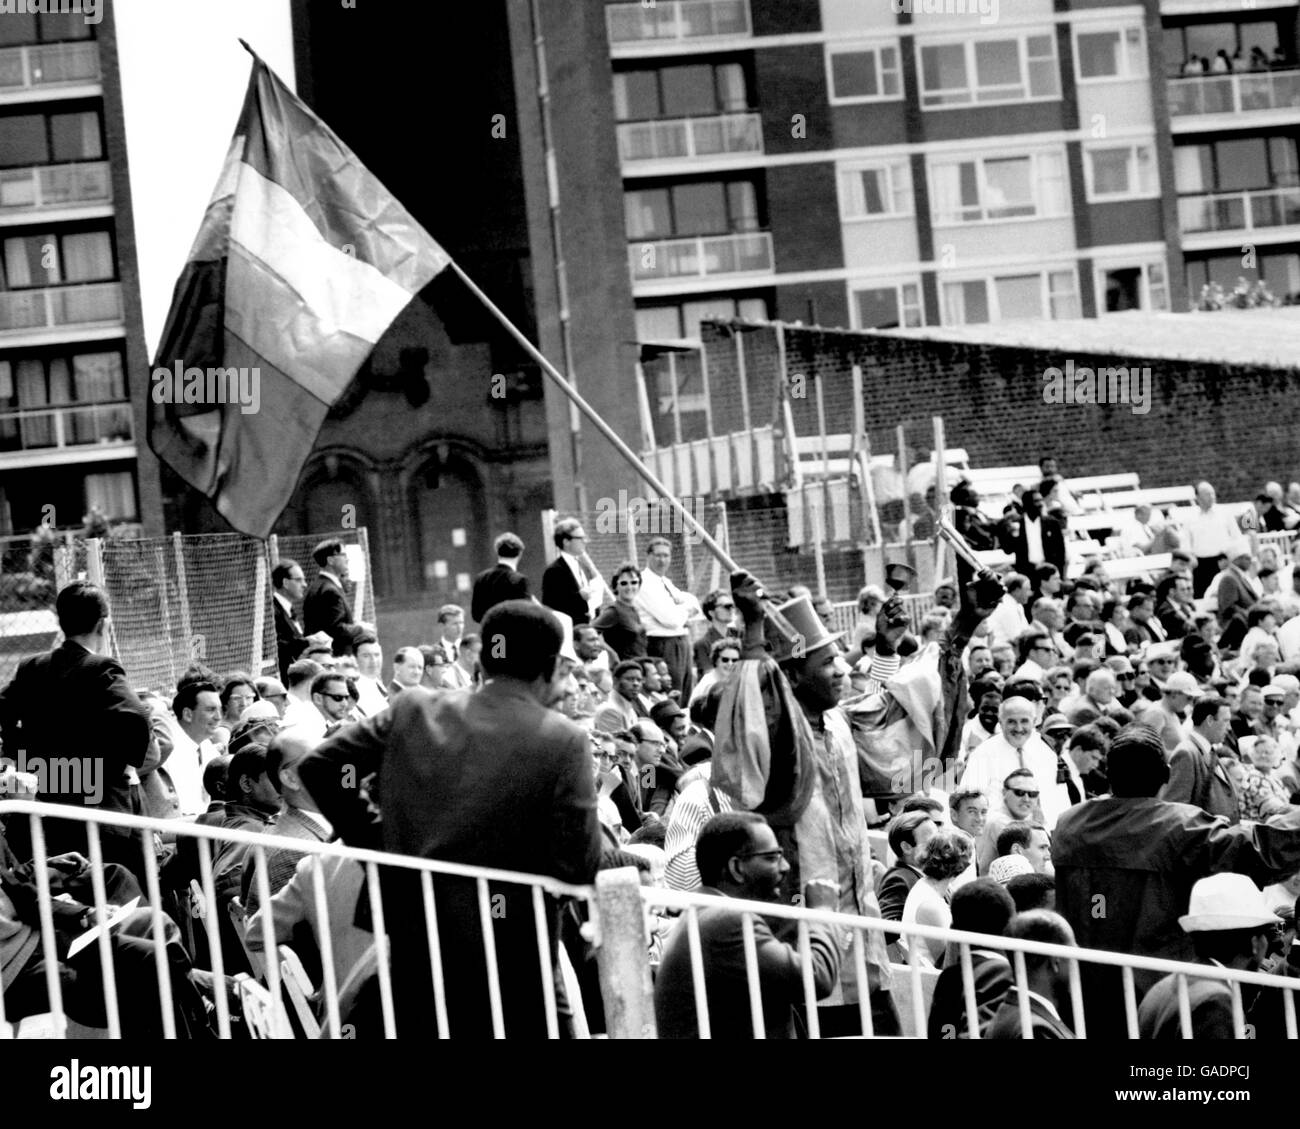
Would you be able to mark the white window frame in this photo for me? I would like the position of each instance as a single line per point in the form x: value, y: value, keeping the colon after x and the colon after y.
x: 1134, y: 63
x: 980, y: 159
x: 898, y: 177
x: 1144, y: 265
x: 1135, y: 191
x: 864, y: 49
x: 972, y: 89
x: 897, y: 287
x: 1046, y: 293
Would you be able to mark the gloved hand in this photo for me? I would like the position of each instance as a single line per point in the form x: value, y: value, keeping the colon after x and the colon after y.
x: 749, y: 596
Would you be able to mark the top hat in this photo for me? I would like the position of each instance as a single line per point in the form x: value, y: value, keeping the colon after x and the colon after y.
x: 898, y: 575
x: 801, y: 631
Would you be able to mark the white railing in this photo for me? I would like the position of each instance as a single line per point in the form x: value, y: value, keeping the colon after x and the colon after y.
x: 55, y: 186
x: 42, y: 428
x: 1247, y: 92
x: 52, y: 64
x: 618, y: 908
x: 60, y: 306
x: 701, y: 256
x: 1239, y: 211
x: 690, y: 137
x: 677, y: 19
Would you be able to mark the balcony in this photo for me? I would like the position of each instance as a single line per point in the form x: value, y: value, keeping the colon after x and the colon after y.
x: 59, y: 306
x: 684, y: 139
x: 56, y: 428
x: 705, y: 256
x: 1274, y: 94
x: 1239, y: 211
x: 47, y: 65
x: 677, y: 20
x: 49, y: 187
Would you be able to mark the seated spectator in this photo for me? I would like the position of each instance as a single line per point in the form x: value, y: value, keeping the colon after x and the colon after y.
x: 1006, y: 867
x: 1048, y: 980
x: 1032, y: 891
x: 720, y: 612
x: 624, y: 705
x: 1029, y: 841
x: 947, y: 853
x: 981, y: 906
x: 408, y: 670
x: 738, y: 857
x: 1261, y: 793
x: 908, y: 834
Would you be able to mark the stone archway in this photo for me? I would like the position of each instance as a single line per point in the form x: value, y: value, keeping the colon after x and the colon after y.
x: 450, y: 538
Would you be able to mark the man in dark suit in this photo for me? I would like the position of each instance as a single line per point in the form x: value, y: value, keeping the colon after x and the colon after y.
x: 908, y: 834
x: 1236, y: 596
x: 325, y: 607
x: 979, y: 906
x: 497, y: 778
x: 70, y: 718
x: 1041, y: 539
x: 1047, y: 980
x: 564, y: 583
x: 287, y: 587
x: 1196, y: 775
x: 503, y: 581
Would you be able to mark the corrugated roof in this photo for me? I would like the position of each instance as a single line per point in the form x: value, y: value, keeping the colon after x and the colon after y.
x: 1262, y: 338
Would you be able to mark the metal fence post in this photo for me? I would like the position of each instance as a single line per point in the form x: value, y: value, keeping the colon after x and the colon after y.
x: 183, y: 594
x: 95, y: 574
x: 622, y: 957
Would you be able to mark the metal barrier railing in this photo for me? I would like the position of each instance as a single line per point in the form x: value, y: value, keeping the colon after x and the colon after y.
x: 618, y: 909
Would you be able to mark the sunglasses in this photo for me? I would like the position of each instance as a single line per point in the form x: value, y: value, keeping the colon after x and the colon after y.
x: 724, y: 607
x: 1023, y: 793
x: 771, y: 856
x: 335, y: 697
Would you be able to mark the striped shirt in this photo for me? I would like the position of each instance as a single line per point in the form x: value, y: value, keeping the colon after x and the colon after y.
x: 691, y: 812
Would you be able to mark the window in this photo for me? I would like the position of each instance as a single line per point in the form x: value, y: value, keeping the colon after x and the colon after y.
x: 879, y: 190
x: 23, y: 140
x: 45, y: 260
x: 1236, y: 165
x: 49, y: 27
x: 113, y: 494
x: 1140, y: 287
x: 681, y: 91
x: 989, y: 70
x: 75, y: 137
x: 865, y: 74
x: 679, y: 322
x: 1120, y: 53
x: 40, y: 139
x: 999, y: 188
x: 1119, y: 172
x: 889, y: 307
x: 1010, y: 297
x: 713, y: 207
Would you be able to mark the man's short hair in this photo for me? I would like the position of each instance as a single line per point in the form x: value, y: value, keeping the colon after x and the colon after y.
x: 187, y: 697
x: 1088, y: 737
x: 1044, y: 572
x: 520, y: 640
x: 331, y: 547
x: 1017, y: 772
x: 403, y: 654
x: 626, y: 665
x: 1039, y: 925
x: 1023, y: 688
x: 712, y: 600
x: 1082, y: 668
x: 655, y: 541
x: 903, y: 830
x: 1207, y: 707
x: 932, y: 807
x: 1136, y: 764
x: 304, y: 670
x: 214, y: 776
x: 280, y: 573
x: 1031, y: 891
x: 323, y: 679
x: 564, y: 529
x: 722, y: 838
x: 449, y: 612
x: 250, y: 761
x: 1014, y: 581
x: 1026, y: 641
x: 982, y: 906
x: 275, y: 758
x: 959, y: 796
x: 509, y: 546
x: 1017, y: 833
x: 80, y: 606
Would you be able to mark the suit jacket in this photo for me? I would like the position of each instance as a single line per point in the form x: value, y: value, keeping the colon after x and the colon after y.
x: 280, y: 864
x: 1197, y: 777
x: 72, y: 704
x: 325, y: 608
x: 560, y: 591
x: 488, y: 778
x: 1236, y: 598
x: 1006, y: 1024
x: 1177, y: 619
x: 495, y: 586
x: 290, y: 642
x: 1053, y: 545
x: 992, y: 975
x: 895, y: 885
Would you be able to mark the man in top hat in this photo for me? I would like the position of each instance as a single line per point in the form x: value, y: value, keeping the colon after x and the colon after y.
x: 1230, y: 924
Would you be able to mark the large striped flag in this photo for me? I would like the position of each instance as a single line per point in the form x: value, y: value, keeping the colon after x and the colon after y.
x: 302, y: 262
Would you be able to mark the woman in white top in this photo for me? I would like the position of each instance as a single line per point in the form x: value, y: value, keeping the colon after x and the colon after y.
x: 945, y: 856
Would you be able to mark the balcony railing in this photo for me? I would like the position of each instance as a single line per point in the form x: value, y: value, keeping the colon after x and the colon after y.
x: 1239, y: 211
x: 677, y: 19
x: 50, y: 64
x: 40, y: 429
x: 701, y: 257
x: 55, y: 186
x: 1248, y: 92
x: 690, y: 137
x: 60, y: 306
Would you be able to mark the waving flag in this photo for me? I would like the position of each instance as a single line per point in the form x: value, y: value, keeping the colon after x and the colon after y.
x: 302, y: 262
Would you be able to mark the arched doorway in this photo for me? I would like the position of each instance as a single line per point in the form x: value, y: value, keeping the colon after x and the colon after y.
x: 450, y: 512
x: 332, y: 495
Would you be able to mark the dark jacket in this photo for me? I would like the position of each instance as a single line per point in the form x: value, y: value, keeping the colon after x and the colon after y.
x: 325, y: 608
x: 1198, y: 777
x: 992, y: 976
x: 1006, y: 1024
x: 895, y: 885
x: 620, y: 627
x: 560, y: 591
x: 1053, y: 545
x: 1210, y: 1002
x: 488, y: 778
x: 495, y: 586
x: 290, y: 642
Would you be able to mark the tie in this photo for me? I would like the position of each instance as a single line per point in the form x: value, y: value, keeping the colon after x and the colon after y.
x: 1063, y: 777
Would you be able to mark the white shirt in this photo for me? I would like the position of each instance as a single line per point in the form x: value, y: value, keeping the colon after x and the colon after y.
x: 185, y: 767
x: 992, y: 762
x: 330, y: 576
x: 305, y: 718
x: 1210, y: 532
x: 370, y: 696
x: 1007, y: 621
x: 661, y: 613
x: 1288, y: 639
x: 1033, y: 528
x: 288, y: 609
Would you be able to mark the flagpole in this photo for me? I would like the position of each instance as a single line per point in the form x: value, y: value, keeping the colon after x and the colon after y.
x: 587, y: 410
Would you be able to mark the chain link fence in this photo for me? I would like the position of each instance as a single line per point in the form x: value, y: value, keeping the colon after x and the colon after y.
x: 172, y: 600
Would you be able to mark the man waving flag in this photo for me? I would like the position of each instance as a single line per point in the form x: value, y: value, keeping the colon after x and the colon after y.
x: 302, y: 262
